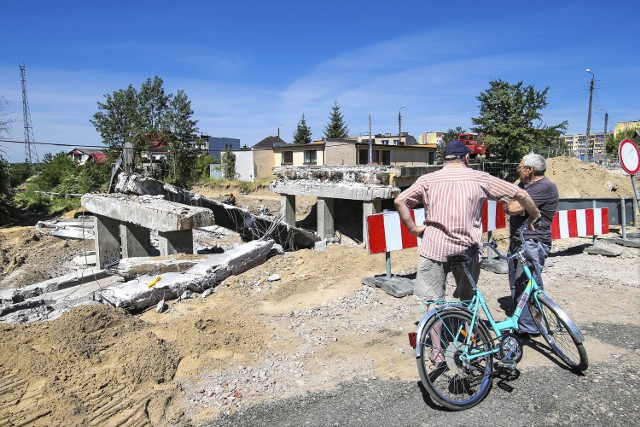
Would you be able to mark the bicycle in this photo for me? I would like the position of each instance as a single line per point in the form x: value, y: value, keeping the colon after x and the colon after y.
x: 455, y: 349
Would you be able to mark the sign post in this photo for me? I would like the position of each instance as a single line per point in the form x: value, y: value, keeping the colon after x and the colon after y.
x: 630, y: 162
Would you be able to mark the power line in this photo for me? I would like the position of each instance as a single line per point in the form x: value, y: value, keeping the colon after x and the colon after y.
x: 11, y: 141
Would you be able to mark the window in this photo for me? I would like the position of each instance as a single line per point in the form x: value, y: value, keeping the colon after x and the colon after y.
x: 287, y: 157
x: 382, y: 157
x: 385, y: 142
x: 363, y: 157
x: 310, y: 157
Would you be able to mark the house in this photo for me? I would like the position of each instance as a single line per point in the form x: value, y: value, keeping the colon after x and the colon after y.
x: 354, y: 151
x: 216, y: 145
x: 85, y: 155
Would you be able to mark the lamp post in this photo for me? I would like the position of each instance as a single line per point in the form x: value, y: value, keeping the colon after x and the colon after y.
x: 400, y: 125
x: 606, y: 122
x: 588, y: 143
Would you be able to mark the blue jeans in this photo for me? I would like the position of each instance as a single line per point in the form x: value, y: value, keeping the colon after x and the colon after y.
x: 536, y: 253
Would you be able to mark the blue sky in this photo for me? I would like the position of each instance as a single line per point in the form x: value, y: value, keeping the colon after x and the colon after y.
x: 250, y: 67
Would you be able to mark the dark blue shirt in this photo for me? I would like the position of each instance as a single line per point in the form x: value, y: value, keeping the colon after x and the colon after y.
x: 545, y: 195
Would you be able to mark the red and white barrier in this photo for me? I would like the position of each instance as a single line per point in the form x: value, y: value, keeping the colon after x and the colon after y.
x: 580, y: 223
x: 386, y: 232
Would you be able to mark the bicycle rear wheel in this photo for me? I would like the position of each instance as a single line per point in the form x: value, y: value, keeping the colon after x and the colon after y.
x: 553, y: 324
x: 452, y: 380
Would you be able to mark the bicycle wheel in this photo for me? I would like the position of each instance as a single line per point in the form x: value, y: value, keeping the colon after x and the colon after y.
x: 552, y: 323
x: 450, y: 379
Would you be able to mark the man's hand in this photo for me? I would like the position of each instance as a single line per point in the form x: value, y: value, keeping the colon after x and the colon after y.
x: 531, y: 223
x: 418, y: 230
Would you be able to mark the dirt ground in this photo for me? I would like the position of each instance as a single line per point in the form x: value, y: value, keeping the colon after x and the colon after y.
x: 261, y: 337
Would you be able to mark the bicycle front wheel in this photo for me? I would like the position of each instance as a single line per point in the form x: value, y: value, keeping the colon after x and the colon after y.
x: 562, y: 339
x: 452, y: 378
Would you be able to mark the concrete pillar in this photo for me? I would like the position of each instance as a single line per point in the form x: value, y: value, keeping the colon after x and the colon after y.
x: 369, y: 208
x: 135, y: 240
x: 326, y: 227
x: 107, y: 237
x: 288, y: 208
x: 175, y: 242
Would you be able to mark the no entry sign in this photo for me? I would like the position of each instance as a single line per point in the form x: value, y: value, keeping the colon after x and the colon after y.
x: 629, y: 156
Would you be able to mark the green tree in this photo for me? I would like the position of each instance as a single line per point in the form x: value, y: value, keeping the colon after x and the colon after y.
x: 148, y: 116
x: 511, y: 122
x: 245, y: 147
x: 336, y: 128
x: 303, y: 132
x: 228, y: 164
x: 613, y: 142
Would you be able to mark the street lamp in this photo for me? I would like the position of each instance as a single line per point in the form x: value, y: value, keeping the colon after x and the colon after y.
x: 400, y: 125
x: 588, y: 143
x: 606, y: 122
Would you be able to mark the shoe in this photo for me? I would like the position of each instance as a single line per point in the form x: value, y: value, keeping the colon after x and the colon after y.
x: 526, y: 335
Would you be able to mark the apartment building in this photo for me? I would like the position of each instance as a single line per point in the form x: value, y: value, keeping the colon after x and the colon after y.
x: 578, y: 144
x: 622, y: 126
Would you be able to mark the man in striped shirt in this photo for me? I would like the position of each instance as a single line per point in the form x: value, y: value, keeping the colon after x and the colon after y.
x: 453, y: 199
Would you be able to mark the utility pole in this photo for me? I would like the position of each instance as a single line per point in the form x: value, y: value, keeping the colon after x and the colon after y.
x: 29, y: 144
x: 370, y: 143
x: 400, y: 125
x: 588, y: 142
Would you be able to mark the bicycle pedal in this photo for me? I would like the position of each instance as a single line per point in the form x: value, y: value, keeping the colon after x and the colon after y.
x: 506, y: 387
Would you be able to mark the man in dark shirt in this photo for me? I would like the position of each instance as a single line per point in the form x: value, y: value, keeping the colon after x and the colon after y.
x: 537, y: 242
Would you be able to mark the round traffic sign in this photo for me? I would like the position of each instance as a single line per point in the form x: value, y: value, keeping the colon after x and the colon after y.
x: 629, y: 156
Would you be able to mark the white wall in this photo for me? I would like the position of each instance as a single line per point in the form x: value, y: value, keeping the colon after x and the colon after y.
x: 244, y: 165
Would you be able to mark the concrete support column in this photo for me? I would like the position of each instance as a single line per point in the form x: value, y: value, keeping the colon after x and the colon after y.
x: 135, y: 240
x: 326, y: 227
x: 174, y: 242
x: 369, y: 208
x: 288, y: 208
x: 107, y: 236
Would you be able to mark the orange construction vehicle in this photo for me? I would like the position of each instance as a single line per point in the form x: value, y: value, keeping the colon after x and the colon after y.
x: 472, y: 142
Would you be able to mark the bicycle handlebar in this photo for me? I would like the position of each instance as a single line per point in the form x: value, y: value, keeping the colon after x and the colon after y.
x: 493, y: 247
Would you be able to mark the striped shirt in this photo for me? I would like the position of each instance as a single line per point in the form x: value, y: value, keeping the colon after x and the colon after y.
x: 453, y: 199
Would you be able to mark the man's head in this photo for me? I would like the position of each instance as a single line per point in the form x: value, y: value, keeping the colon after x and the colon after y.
x: 455, y: 150
x: 530, y: 166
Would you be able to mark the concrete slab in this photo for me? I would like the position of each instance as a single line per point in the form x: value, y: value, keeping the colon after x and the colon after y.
x: 601, y: 249
x: 336, y: 190
x: 137, y: 295
x: 151, y: 212
x: 632, y: 242
x: 396, y: 286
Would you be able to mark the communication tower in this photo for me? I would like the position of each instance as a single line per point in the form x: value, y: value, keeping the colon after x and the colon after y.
x: 31, y: 154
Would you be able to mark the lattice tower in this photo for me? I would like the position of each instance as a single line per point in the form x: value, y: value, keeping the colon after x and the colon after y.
x: 31, y: 155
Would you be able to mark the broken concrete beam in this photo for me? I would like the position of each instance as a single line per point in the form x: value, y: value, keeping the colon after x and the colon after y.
x: 137, y: 295
x: 129, y: 268
x: 76, y: 278
x: 336, y: 190
x: 234, y: 218
x: 359, y: 174
x: 150, y: 212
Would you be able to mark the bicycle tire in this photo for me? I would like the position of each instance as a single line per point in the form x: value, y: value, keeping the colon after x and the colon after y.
x: 449, y: 383
x: 550, y: 320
